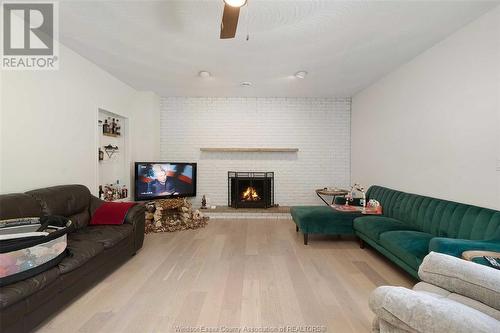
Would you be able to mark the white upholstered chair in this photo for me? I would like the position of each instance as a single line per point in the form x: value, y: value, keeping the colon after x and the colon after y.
x: 455, y: 295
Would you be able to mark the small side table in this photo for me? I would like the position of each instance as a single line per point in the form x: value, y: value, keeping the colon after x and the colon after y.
x: 330, y: 192
x: 469, y: 255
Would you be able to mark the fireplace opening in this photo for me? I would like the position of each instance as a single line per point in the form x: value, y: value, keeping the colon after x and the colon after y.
x: 250, y: 189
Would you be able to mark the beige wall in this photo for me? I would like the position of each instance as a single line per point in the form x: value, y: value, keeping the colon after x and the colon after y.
x: 48, y: 123
x: 433, y: 126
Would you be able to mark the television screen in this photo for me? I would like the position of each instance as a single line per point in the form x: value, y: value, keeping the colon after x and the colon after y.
x: 155, y: 180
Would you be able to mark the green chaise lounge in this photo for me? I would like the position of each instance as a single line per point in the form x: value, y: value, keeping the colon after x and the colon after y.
x: 323, y: 220
x: 413, y: 225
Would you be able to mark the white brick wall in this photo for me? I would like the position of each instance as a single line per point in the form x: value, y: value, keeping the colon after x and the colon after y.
x: 319, y: 127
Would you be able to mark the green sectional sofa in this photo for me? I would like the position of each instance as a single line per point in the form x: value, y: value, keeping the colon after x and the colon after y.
x: 413, y: 225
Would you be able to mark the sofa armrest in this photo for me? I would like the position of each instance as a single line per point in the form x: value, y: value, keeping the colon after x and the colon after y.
x: 455, y: 247
x: 414, y: 311
x: 95, y: 202
x: 136, y: 217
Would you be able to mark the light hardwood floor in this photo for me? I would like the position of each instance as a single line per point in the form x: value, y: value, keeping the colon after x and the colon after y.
x: 235, y: 273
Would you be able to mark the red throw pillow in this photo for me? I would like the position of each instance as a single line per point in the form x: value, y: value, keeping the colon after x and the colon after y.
x: 111, y: 213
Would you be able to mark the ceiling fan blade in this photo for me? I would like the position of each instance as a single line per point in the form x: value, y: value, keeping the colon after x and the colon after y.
x: 229, y: 21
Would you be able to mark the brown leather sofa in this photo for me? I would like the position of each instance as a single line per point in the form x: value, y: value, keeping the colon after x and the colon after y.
x: 94, y: 252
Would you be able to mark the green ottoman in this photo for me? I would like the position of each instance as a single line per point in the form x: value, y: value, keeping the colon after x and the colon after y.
x: 322, y: 220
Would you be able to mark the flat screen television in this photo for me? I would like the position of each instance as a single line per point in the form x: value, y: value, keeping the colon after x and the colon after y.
x: 158, y: 180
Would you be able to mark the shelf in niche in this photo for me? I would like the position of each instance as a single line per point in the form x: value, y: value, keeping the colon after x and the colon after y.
x: 115, y: 164
x: 112, y: 135
x: 250, y: 150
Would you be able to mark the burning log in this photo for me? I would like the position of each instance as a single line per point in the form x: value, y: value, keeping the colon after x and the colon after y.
x: 250, y: 194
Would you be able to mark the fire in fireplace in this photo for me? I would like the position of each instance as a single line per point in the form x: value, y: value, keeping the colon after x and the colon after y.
x: 250, y: 194
x: 250, y: 189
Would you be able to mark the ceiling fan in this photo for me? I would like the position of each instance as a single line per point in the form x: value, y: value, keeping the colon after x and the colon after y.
x: 230, y: 18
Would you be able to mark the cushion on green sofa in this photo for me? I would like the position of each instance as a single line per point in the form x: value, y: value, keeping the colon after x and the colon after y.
x: 409, y: 246
x: 323, y: 220
x: 373, y: 226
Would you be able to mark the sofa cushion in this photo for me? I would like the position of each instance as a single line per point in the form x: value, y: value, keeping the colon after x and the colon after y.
x: 107, y: 235
x: 409, y: 246
x: 71, y: 201
x: 412, y: 311
x: 18, y: 291
x: 80, y: 251
x: 439, y: 292
x: 80, y: 219
x: 373, y: 226
x: 18, y: 205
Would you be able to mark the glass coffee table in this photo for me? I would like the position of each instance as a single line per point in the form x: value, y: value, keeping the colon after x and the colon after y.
x: 332, y: 192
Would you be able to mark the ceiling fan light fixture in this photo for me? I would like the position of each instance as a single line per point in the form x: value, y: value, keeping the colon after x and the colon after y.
x: 235, y: 3
x: 204, y: 74
x: 301, y: 74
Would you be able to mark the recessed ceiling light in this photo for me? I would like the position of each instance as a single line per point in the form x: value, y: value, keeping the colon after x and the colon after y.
x: 235, y: 3
x: 246, y: 84
x: 204, y: 74
x: 300, y: 74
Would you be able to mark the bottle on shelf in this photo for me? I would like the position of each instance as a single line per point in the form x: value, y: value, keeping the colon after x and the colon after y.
x: 116, y: 192
x: 118, y: 127
x: 105, y: 127
x: 101, y: 154
x: 109, y: 126
x: 108, y: 193
x: 113, y: 191
x: 113, y: 126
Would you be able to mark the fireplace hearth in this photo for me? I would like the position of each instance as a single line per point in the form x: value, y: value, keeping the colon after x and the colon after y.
x: 250, y: 189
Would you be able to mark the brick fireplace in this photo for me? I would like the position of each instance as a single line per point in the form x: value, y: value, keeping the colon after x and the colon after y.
x: 318, y: 127
x: 250, y: 189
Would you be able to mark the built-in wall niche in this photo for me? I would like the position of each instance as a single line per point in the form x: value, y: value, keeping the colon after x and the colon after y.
x: 113, y: 156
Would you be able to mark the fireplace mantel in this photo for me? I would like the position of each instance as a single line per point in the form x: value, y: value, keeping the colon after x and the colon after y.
x: 250, y: 150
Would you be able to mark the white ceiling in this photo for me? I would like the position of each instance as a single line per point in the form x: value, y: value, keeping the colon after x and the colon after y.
x: 344, y: 45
